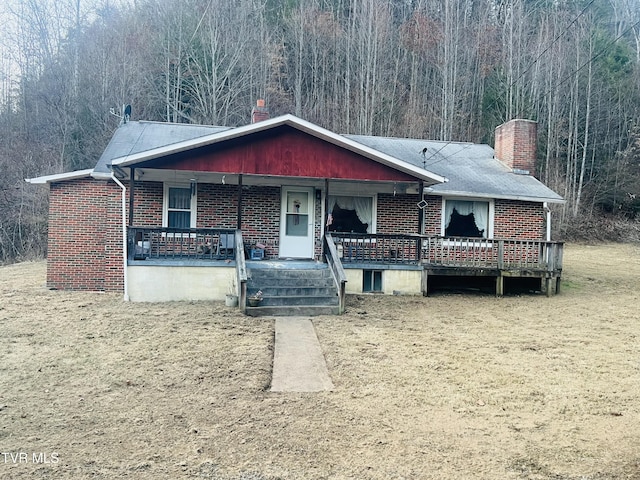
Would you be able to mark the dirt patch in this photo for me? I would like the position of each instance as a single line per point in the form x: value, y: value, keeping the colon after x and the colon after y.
x: 450, y: 386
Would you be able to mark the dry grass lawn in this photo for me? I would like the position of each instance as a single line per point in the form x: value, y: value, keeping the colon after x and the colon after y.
x: 454, y: 386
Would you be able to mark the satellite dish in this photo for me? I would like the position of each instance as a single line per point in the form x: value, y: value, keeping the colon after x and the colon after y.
x: 127, y: 113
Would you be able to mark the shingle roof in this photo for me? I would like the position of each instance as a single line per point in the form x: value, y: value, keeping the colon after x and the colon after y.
x: 471, y: 168
x: 139, y: 136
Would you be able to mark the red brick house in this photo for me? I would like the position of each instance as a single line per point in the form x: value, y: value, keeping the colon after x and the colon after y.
x: 174, y: 212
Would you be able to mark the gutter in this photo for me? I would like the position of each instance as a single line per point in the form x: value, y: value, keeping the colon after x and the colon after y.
x: 547, y: 212
x: 124, y: 235
x: 61, y: 177
x: 489, y: 196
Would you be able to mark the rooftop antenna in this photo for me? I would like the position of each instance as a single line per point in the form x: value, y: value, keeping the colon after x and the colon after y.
x: 124, y: 118
x: 424, y: 158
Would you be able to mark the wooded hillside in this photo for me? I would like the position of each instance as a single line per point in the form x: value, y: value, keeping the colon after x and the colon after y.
x: 437, y: 69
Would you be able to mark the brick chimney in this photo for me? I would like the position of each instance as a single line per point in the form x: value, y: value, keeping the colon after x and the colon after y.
x: 516, y: 144
x: 259, y: 112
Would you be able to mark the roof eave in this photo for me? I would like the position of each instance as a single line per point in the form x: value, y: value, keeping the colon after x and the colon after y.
x: 522, y: 198
x: 60, y: 177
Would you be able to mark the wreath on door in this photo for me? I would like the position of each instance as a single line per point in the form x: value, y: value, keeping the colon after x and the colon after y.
x: 296, y: 210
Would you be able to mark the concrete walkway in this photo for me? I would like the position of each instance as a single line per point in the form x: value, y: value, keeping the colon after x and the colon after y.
x: 298, y: 362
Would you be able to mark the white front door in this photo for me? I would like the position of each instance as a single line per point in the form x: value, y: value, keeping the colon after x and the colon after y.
x: 296, y: 222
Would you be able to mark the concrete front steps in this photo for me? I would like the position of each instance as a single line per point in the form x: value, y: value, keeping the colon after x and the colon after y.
x: 292, y: 288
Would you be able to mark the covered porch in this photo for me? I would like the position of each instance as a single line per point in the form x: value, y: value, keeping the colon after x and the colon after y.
x: 369, y: 263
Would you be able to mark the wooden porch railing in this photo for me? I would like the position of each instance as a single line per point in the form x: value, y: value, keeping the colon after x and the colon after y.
x: 192, y: 244
x: 449, y: 252
x: 339, y: 275
x: 377, y: 248
x: 493, y: 253
x: 181, y: 244
x: 241, y: 271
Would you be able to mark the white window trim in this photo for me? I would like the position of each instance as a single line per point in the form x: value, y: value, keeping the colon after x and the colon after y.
x: 165, y: 203
x: 491, y: 218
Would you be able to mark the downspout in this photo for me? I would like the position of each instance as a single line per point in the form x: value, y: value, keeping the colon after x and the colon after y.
x: 547, y: 211
x: 239, y: 214
x: 124, y: 236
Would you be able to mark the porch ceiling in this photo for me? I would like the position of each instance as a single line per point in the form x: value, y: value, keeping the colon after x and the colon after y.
x: 336, y: 186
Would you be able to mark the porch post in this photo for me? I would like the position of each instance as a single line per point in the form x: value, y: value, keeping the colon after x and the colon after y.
x: 132, y: 176
x: 326, y: 203
x: 239, y: 225
x: 420, y: 210
x: 499, y: 285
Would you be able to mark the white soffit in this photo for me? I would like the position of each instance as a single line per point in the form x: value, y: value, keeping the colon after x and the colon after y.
x: 60, y: 177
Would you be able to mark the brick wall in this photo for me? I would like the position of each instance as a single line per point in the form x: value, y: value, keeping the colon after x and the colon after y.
x: 520, y: 220
x: 261, y: 217
x: 513, y: 219
x: 147, y: 204
x: 85, y: 249
x: 433, y: 215
x: 318, y: 247
x: 217, y: 206
x: 397, y: 214
x: 85, y: 236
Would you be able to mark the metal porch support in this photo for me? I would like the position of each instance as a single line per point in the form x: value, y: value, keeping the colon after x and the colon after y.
x: 239, y: 223
x: 132, y: 181
x: 420, y: 210
x: 326, y: 204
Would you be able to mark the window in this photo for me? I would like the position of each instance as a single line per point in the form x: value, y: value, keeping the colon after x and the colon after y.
x: 467, y: 218
x: 297, y: 215
x: 372, y: 281
x: 179, y: 206
x: 348, y: 214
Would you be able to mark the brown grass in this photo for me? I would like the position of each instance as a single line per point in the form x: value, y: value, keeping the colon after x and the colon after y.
x: 451, y: 386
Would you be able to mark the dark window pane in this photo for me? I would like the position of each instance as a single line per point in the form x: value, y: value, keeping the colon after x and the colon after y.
x: 377, y: 281
x: 372, y: 281
x: 180, y: 198
x: 297, y: 225
x: 179, y: 220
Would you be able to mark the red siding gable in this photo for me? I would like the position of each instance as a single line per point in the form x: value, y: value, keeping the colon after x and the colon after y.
x: 282, y: 151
